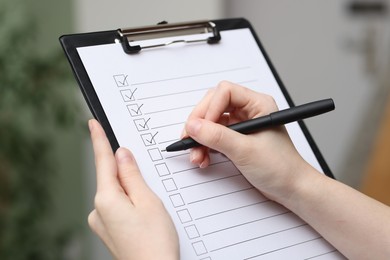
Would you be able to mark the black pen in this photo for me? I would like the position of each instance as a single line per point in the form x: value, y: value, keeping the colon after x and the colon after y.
x: 274, y: 119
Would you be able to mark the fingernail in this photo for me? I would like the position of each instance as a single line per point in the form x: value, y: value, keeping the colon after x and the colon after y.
x: 192, y: 156
x: 202, y: 165
x: 123, y: 155
x: 193, y: 126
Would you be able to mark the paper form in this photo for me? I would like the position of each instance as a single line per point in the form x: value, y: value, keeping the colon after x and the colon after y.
x: 218, y: 214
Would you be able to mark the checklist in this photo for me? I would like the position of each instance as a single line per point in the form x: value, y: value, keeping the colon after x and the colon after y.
x: 217, y: 213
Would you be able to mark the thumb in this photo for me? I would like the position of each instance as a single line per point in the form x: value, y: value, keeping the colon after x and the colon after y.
x: 130, y: 177
x: 216, y: 136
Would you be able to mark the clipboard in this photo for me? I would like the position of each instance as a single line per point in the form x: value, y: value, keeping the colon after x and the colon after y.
x: 118, y: 53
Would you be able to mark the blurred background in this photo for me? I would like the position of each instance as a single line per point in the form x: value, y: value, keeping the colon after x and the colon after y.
x: 321, y: 49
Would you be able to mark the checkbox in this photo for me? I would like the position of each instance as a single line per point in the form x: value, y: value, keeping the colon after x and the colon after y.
x: 200, y: 248
x: 142, y: 124
x: 155, y: 154
x: 128, y: 95
x: 149, y: 139
x: 135, y: 109
x: 192, y: 232
x: 121, y: 80
x: 169, y: 184
x: 162, y: 169
x: 184, y: 216
x: 177, y: 200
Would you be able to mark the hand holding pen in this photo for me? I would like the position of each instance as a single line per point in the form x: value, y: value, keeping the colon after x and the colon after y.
x: 273, y: 119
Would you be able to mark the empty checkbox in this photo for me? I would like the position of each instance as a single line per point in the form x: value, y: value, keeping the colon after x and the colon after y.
x: 177, y: 200
x: 155, y: 154
x: 162, y: 169
x: 199, y: 247
x: 169, y: 185
x: 192, y: 232
x: 184, y: 216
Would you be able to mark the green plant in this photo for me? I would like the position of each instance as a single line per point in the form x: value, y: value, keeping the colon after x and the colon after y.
x: 34, y: 103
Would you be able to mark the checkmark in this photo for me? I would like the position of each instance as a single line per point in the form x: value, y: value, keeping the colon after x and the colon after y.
x: 149, y: 139
x: 124, y: 82
x: 134, y: 109
x: 138, y: 109
x: 142, y: 124
x: 128, y: 95
x: 152, y: 140
x: 121, y: 80
x: 145, y: 124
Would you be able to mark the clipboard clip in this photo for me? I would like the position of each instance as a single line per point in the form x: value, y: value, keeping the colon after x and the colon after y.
x: 164, y: 29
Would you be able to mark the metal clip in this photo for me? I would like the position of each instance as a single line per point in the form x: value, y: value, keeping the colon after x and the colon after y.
x: 166, y: 30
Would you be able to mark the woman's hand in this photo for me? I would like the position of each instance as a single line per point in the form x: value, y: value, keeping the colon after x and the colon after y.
x: 268, y: 159
x: 129, y: 218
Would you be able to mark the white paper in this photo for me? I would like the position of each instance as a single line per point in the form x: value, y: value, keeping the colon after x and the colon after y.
x: 218, y: 214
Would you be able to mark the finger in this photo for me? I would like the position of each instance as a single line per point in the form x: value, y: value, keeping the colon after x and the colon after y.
x: 106, y: 170
x: 200, y: 109
x: 200, y: 156
x: 230, y: 97
x: 217, y: 137
x: 130, y: 176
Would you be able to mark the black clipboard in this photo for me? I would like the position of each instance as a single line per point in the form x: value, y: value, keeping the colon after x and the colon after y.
x: 195, y: 242
x: 214, y: 33
x: 73, y: 41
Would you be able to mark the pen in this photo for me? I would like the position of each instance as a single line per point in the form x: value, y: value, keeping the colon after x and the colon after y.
x: 274, y: 119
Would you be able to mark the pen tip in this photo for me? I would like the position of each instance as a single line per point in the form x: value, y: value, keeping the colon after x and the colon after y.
x: 163, y: 150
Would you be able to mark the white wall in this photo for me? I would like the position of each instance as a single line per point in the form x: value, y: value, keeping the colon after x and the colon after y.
x: 321, y: 51
x: 94, y: 15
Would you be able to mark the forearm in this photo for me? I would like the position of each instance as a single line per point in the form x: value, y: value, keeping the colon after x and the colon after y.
x: 358, y: 226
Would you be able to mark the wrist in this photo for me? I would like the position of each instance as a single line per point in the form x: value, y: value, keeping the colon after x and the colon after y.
x: 303, y: 187
x: 295, y: 185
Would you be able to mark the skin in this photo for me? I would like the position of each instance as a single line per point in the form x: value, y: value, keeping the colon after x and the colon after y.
x: 129, y: 218
x: 358, y: 226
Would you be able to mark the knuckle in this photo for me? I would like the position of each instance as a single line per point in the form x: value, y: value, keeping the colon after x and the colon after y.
x: 224, y: 86
x: 92, y: 221
x: 103, y: 201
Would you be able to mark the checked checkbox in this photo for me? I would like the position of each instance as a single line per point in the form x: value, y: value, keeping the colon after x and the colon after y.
x: 149, y: 139
x: 142, y: 124
x: 135, y: 109
x: 128, y: 95
x: 121, y: 80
